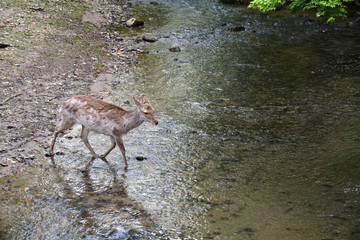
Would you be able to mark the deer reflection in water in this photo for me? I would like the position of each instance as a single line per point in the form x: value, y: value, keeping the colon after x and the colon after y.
x: 106, y: 206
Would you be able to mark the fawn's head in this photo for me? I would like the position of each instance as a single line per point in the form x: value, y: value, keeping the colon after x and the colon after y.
x: 146, y: 109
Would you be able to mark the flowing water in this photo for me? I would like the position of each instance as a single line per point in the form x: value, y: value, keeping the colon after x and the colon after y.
x: 258, y: 137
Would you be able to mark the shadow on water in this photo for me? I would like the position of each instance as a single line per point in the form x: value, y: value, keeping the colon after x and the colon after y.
x: 63, y: 203
x: 112, y: 204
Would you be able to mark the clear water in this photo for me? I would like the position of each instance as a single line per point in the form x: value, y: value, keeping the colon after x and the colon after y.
x: 257, y: 137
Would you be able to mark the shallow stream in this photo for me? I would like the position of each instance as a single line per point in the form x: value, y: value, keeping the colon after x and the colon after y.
x: 258, y: 137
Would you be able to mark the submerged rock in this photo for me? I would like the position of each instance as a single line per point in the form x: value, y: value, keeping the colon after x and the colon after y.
x: 238, y: 28
x: 148, y: 38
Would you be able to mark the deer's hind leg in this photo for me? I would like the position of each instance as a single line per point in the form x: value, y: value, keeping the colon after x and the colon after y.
x: 120, y: 143
x: 66, y: 123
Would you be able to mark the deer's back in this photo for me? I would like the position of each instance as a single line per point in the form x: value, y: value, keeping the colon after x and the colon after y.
x: 94, y: 114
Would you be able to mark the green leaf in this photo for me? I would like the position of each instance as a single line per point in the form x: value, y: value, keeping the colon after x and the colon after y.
x: 331, y: 8
x: 297, y: 5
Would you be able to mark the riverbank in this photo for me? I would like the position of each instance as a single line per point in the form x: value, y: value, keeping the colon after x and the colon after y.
x: 51, y: 50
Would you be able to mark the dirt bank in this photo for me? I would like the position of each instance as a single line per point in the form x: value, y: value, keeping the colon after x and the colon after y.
x: 50, y: 50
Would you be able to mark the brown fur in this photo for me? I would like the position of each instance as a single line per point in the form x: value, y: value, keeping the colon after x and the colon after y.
x: 102, y: 117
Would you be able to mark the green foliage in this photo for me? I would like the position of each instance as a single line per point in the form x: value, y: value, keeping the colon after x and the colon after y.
x: 331, y: 8
x: 267, y: 5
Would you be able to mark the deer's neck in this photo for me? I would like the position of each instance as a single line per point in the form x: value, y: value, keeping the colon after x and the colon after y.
x: 133, y: 119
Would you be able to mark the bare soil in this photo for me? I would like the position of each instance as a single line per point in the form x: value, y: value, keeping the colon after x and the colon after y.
x: 56, y: 49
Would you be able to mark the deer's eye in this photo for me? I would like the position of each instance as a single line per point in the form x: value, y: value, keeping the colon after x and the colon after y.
x: 146, y: 113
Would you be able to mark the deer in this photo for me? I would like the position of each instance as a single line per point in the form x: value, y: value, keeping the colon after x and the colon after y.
x: 103, y: 118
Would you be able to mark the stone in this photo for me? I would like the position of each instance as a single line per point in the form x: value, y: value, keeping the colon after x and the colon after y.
x: 95, y: 18
x: 148, y: 38
x: 4, y: 45
x: 175, y: 49
x: 133, y: 22
x: 238, y: 28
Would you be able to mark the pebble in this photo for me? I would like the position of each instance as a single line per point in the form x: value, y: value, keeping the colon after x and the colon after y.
x: 133, y: 22
x: 175, y: 49
x: 148, y: 38
x: 140, y: 158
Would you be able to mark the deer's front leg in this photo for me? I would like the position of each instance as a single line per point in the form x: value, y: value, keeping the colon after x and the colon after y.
x: 66, y: 123
x: 84, y: 137
x: 120, y: 143
x: 113, y: 144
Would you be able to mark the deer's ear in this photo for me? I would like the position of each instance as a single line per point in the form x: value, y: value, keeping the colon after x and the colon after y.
x: 145, y: 100
x: 137, y: 102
